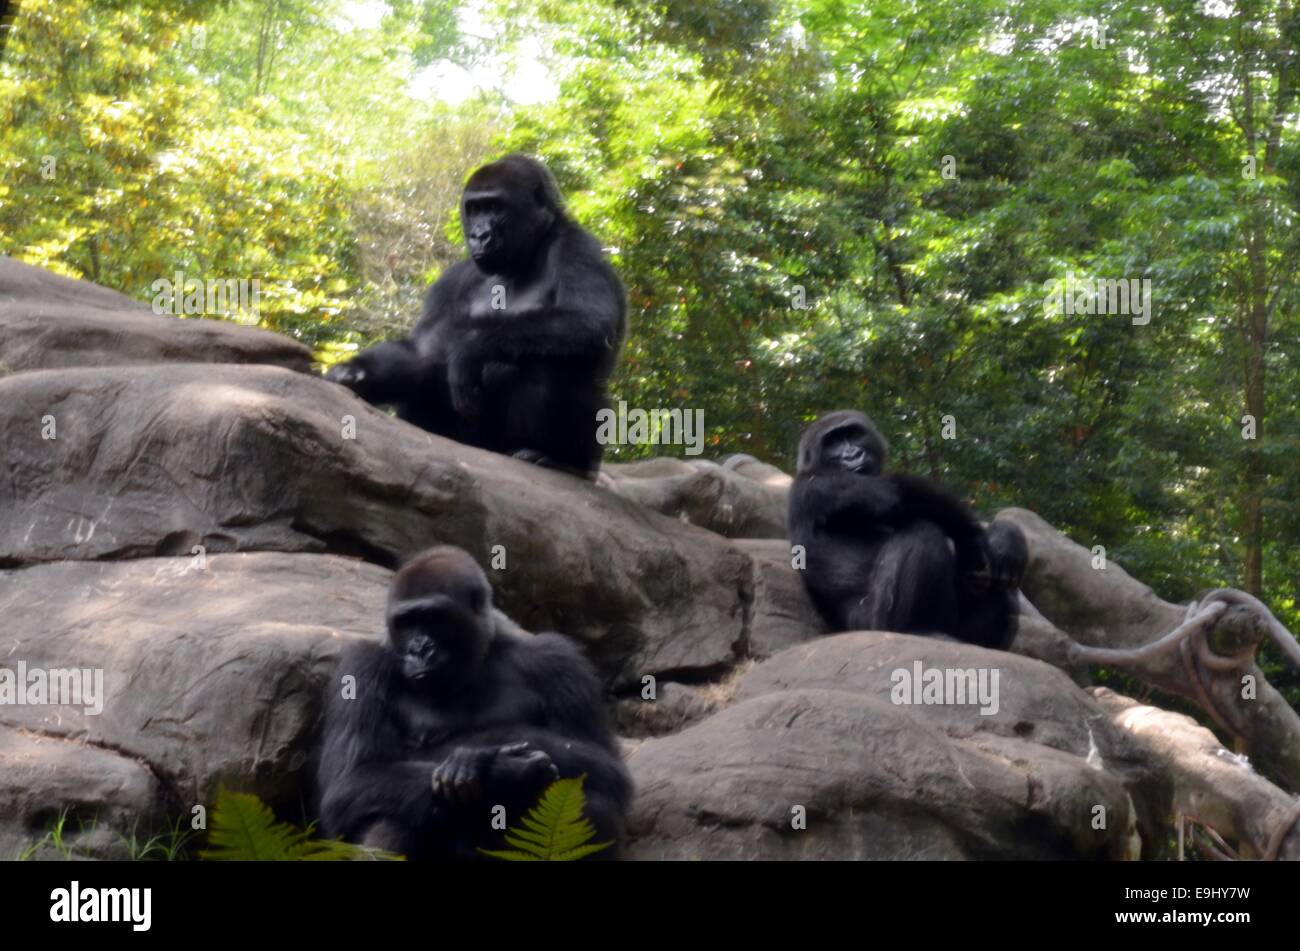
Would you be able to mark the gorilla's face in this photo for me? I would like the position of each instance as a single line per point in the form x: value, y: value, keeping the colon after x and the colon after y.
x: 847, y: 441
x: 440, y: 635
x: 505, y: 223
x: 852, y: 449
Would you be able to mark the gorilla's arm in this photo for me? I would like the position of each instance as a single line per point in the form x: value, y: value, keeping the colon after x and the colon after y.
x: 578, y: 312
x: 862, y: 502
x: 921, y: 499
x: 567, y: 684
x: 1008, y: 554
x: 386, y: 373
x: 574, y: 712
x: 362, y: 775
x: 441, y: 302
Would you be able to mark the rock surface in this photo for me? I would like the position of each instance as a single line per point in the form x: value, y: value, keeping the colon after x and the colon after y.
x: 922, y: 781
x: 706, y: 494
x: 214, y: 669
x: 239, y: 458
x: 100, y: 796
x: 49, y: 321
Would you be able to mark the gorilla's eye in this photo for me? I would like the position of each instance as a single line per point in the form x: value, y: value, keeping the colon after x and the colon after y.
x: 421, y: 645
x: 485, y: 208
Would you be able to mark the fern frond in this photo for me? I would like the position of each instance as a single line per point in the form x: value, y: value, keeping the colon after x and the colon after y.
x: 244, y: 829
x: 555, y: 830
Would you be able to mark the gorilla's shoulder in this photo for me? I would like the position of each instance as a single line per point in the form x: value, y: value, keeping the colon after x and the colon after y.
x: 366, y: 660
x: 575, y: 244
x: 461, y: 273
x: 552, y: 650
x: 551, y: 661
x: 368, y: 663
x: 366, y: 654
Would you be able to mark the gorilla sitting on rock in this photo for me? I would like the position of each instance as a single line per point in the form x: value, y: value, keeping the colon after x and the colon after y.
x: 460, y: 713
x: 896, y: 552
x: 516, y: 343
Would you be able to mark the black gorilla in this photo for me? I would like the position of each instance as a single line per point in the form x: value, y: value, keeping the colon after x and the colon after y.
x: 458, y: 713
x: 896, y: 552
x: 516, y: 342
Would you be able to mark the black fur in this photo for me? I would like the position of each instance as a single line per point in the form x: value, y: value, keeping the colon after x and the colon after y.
x: 896, y: 552
x: 416, y: 762
x: 516, y: 342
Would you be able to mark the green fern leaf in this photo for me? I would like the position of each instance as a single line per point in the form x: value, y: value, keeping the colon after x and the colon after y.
x: 244, y: 829
x: 511, y: 856
x: 555, y: 830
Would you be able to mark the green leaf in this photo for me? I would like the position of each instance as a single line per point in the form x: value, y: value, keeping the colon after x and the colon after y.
x: 244, y: 829
x: 554, y: 830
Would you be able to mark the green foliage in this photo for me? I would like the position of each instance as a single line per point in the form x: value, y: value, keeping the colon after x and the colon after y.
x: 243, y: 829
x: 554, y: 830
x: 168, y: 845
x: 54, y: 839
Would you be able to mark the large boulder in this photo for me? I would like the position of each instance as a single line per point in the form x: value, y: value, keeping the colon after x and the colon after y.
x: 93, y: 796
x: 49, y: 321
x: 241, y: 458
x: 214, y: 670
x: 1087, y: 595
x: 811, y: 763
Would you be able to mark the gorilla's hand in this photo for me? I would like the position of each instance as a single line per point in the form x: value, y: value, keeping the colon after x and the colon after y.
x: 522, y: 765
x: 465, y: 380
x: 975, y: 565
x: 459, y: 778
x: 1008, y: 554
x: 1004, y: 573
x: 349, y: 374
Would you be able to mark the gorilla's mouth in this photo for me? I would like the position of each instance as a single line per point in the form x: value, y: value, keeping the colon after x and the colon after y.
x: 490, y: 258
x: 420, y: 670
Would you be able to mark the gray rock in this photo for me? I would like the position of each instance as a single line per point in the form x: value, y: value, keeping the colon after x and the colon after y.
x: 675, y: 707
x: 1034, y: 701
x: 49, y: 321
x: 874, y: 781
x: 1094, y: 605
x: 704, y: 494
x: 101, y: 797
x: 210, y: 676
x: 782, y: 614
x: 751, y: 468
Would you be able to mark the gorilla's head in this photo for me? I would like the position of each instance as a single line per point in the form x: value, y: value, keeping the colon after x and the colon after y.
x: 440, y: 618
x: 508, y: 209
x: 845, y: 440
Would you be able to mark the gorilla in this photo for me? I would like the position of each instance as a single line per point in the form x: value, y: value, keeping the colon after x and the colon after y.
x: 517, y: 341
x: 896, y: 552
x: 459, y: 712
